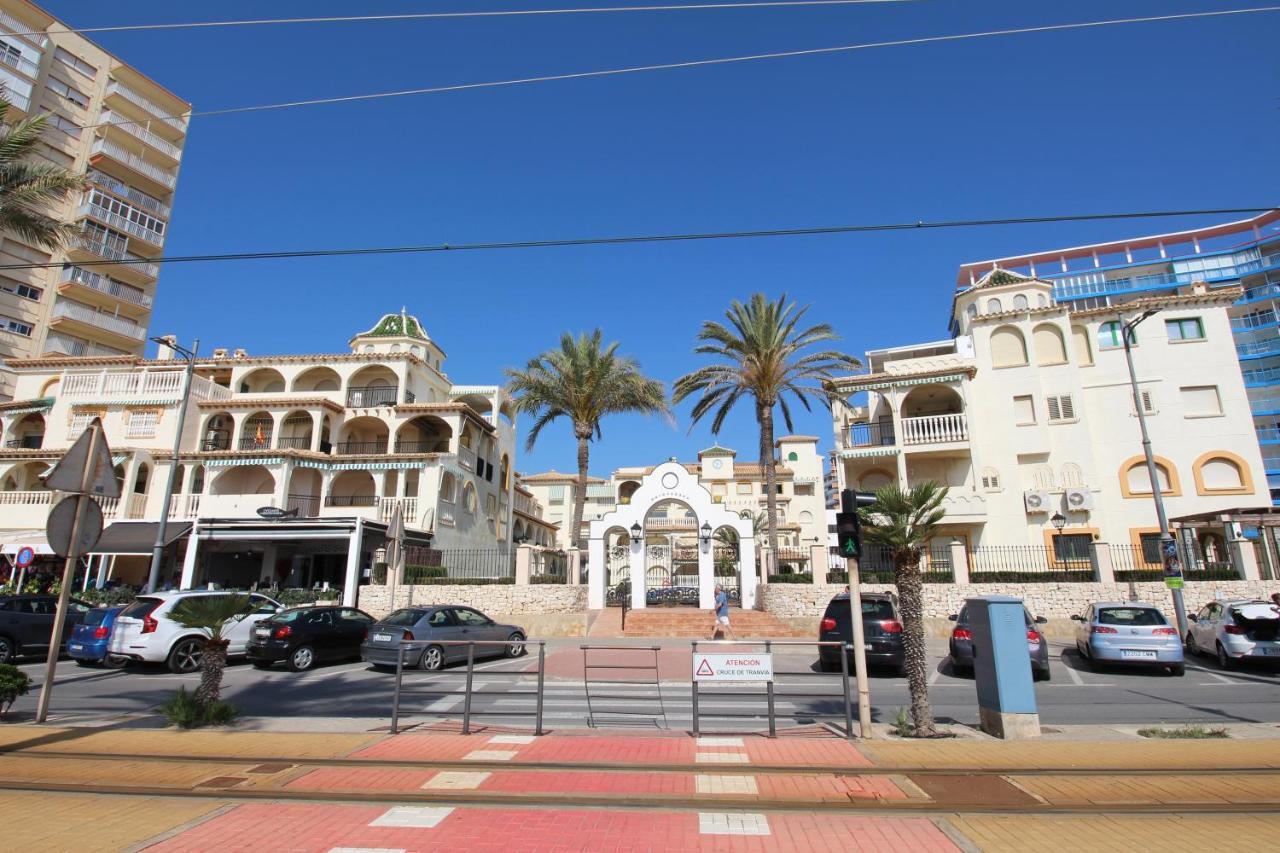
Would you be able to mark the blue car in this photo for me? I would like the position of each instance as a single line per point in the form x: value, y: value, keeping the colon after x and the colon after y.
x: 88, y: 643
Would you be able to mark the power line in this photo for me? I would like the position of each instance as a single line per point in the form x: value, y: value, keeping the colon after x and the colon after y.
x: 667, y: 66
x: 497, y: 13
x: 646, y: 238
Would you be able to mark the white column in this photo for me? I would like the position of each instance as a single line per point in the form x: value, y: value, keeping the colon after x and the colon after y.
x: 959, y: 561
x: 597, y: 568
x: 637, y: 574
x: 747, y: 571
x: 353, y: 565
x: 103, y: 559
x: 189, y: 562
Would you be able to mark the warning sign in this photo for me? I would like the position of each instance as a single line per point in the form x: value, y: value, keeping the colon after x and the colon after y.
x: 732, y: 667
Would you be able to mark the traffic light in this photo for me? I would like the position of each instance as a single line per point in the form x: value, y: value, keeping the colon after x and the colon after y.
x: 848, y: 535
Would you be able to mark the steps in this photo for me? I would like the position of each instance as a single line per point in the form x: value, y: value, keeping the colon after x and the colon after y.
x: 691, y: 623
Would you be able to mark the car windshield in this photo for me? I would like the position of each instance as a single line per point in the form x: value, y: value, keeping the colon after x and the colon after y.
x: 95, y: 617
x: 1130, y: 616
x: 286, y: 616
x: 963, y: 618
x: 140, y: 607
x: 877, y: 608
x: 403, y: 618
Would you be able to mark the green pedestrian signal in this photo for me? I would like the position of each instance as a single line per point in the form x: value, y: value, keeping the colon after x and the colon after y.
x: 848, y: 535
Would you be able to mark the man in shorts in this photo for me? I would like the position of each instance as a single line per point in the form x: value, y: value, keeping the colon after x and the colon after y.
x: 721, y: 622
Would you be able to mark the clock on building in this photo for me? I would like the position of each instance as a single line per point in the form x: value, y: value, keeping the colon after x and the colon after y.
x: 717, y: 464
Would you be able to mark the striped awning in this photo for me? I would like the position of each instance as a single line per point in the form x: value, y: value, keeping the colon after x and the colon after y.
x: 230, y: 462
x: 360, y: 466
x: 41, y: 405
x: 908, y: 380
x: 118, y: 458
x: 869, y: 452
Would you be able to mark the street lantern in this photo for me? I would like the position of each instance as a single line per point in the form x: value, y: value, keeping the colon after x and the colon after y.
x: 706, y: 533
x: 635, y: 532
x: 1058, y: 520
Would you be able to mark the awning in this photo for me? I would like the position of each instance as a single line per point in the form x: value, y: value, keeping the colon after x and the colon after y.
x: 138, y: 537
x: 19, y: 539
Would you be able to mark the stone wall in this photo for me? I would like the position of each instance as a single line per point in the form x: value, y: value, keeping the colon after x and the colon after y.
x: 492, y: 599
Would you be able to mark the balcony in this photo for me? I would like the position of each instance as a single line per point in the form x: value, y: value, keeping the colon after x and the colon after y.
x: 121, y: 223
x: 13, y: 25
x: 160, y: 383
x: 210, y: 445
x: 128, y: 260
x: 962, y: 506
x: 78, y: 277
x: 166, y: 178
x: 361, y: 448
x: 21, y: 63
x: 17, y: 90
x: 377, y: 395
x: 253, y: 443
x: 351, y: 500
x: 26, y: 442
x: 115, y: 121
x: 117, y: 89
x: 65, y: 309
x: 1258, y: 349
x: 56, y: 342
x: 1253, y: 321
x: 935, y: 429
x: 185, y: 506
x: 871, y: 434
x: 294, y: 442
x: 136, y: 196
x: 1262, y: 376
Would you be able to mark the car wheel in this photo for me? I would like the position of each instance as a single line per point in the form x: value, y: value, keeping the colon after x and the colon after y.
x: 828, y: 665
x: 8, y: 650
x: 302, y: 658
x: 961, y: 669
x: 515, y: 645
x: 1224, y: 662
x: 115, y: 662
x: 1191, y: 645
x: 1040, y: 675
x: 1178, y: 670
x: 432, y: 659
x: 185, y: 655
x: 261, y: 664
x: 382, y: 667
x: 85, y: 663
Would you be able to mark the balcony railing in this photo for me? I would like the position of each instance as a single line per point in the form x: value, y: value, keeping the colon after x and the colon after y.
x: 351, y: 500
x: 105, y: 284
x: 137, y: 131
x: 387, y: 508
x: 935, y: 429
x: 115, y: 87
x: 115, y: 220
x: 138, y: 197
x: 1262, y: 291
x: 1269, y: 435
x: 308, y: 506
x: 252, y: 443
x: 1256, y: 348
x: 871, y: 434
x: 295, y: 442
x: 111, y: 253
x: 1253, y: 321
x: 161, y: 176
x: 26, y: 66
x: 433, y: 446
x: 58, y: 342
x: 378, y: 395
x: 17, y: 90
x: 467, y: 458
x: 184, y: 506
x: 101, y: 319
x: 13, y: 25
x: 39, y: 497
x: 366, y: 448
x: 1264, y: 375
x: 213, y: 444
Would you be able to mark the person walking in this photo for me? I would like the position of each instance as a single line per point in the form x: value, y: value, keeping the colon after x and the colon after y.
x: 722, y: 614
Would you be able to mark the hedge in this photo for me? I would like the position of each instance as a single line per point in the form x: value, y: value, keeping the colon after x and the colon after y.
x: 1031, y: 577
x: 463, y: 581
x: 560, y: 579
x: 790, y: 578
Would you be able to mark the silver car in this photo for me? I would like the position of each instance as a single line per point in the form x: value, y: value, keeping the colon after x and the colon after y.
x: 421, y: 625
x: 1115, y: 632
x: 1235, y: 630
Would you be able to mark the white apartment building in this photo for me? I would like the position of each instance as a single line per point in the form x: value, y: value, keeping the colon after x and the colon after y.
x: 1027, y: 412
x: 737, y: 486
x: 126, y: 133
x: 340, y: 441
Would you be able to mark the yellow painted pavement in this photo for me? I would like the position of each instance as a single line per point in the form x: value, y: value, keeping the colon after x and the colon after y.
x: 1069, y: 755
x: 1164, y: 833
x: 1162, y: 789
x: 37, y: 822
x: 229, y: 744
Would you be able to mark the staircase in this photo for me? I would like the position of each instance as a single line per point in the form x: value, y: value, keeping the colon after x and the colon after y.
x: 688, y: 622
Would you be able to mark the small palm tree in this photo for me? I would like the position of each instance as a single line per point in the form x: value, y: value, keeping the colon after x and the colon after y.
x: 28, y: 186
x: 763, y: 353
x: 210, y: 615
x: 903, y: 522
x: 583, y: 381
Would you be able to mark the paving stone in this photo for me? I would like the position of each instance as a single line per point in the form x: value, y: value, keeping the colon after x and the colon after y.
x: 456, y: 780
x: 720, y: 758
x: 414, y: 816
x: 512, y: 739
x: 708, y: 784
x: 490, y: 755
x: 732, y: 823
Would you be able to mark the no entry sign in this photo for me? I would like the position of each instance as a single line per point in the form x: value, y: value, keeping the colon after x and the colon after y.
x: 732, y: 667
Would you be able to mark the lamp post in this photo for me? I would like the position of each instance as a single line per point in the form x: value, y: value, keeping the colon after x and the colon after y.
x: 157, y: 551
x: 1059, y: 521
x: 705, y: 534
x: 1168, y: 545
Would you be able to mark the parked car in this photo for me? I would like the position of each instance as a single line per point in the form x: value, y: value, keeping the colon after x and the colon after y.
x: 145, y: 631
x: 26, y: 623
x: 961, y: 644
x: 1114, y: 632
x: 305, y: 636
x: 90, y: 642
x: 1235, y: 630
x: 881, y: 629
x: 437, y: 622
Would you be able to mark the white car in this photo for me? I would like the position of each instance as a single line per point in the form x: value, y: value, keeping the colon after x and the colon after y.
x: 1234, y: 630
x: 145, y: 632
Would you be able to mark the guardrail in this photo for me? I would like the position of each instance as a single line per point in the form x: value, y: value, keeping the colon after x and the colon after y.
x: 468, y: 692
x: 770, y: 695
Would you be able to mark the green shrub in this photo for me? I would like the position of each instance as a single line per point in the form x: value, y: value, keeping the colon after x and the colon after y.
x: 108, y: 597
x: 13, y: 683
x: 298, y: 597
x: 789, y: 578
x: 1185, y: 733
x: 546, y: 579
x: 463, y: 581
x: 419, y: 574
x: 183, y: 711
x: 1032, y: 577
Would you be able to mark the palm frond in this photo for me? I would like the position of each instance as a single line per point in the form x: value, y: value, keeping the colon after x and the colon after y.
x: 209, y: 612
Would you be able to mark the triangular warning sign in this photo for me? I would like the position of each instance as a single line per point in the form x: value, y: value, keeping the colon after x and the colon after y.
x: 704, y: 668
x: 69, y: 474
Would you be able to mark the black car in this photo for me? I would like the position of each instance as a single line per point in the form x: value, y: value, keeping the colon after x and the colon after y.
x: 26, y: 623
x: 881, y: 629
x: 960, y: 646
x: 304, y: 636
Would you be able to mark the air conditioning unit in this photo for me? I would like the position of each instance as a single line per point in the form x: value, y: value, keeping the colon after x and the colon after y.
x: 1036, y: 501
x: 1079, y: 500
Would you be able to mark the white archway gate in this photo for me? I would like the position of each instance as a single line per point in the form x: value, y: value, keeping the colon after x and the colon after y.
x: 670, y: 481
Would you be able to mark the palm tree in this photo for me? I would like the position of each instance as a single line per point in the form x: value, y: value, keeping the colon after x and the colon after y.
x: 27, y: 186
x: 763, y: 352
x: 583, y: 381
x: 903, y: 522
x: 210, y: 615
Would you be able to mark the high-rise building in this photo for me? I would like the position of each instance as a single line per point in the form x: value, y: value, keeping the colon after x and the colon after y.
x: 1244, y: 254
x: 126, y: 133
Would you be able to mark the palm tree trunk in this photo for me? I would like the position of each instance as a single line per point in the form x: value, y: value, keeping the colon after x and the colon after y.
x: 580, y: 493
x: 764, y: 414
x: 212, y: 663
x: 906, y: 567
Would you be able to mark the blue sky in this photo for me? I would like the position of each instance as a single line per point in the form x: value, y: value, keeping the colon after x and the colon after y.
x: 1154, y: 116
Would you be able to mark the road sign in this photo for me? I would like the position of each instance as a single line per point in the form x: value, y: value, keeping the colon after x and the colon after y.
x: 26, y: 556
x: 58, y: 529
x: 69, y: 474
x: 732, y: 667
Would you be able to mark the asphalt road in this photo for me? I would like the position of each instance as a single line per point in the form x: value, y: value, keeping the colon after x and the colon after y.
x: 355, y: 696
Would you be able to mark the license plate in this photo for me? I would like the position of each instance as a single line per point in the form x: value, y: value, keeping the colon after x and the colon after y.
x: 1137, y: 653
x: 75, y: 647
x: 382, y: 638
x: 1271, y: 652
x: 261, y: 632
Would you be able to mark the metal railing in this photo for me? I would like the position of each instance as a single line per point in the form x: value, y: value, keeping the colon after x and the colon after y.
x: 122, y: 223
x: 365, y: 448
x: 139, y: 132
x: 106, y: 284
x: 254, y: 443
x: 439, y: 445
x: 771, y: 695
x: 636, y: 705
x: 350, y: 500
x: 469, y: 691
x: 377, y: 395
x: 876, y: 565
x: 120, y: 188
x: 1027, y: 564
x: 474, y: 565
x: 164, y: 177
x: 871, y: 434
x: 26, y: 66
x: 308, y: 506
x: 115, y: 87
x: 26, y: 442
x: 294, y: 442
x: 111, y: 253
x: 101, y: 319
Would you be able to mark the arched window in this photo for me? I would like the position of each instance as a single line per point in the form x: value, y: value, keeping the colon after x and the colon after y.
x: 1072, y: 476
x: 448, y: 487
x: 1080, y: 343
x: 1135, y: 483
x: 197, y: 481
x: 1109, y: 335
x: 1042, y: 301
x: 140, y: 480
x: 1050, y: 347
x: 994, y: 306
x: 1042, y: 476
x: 469, y: 499
x: 793, y: 457
x: 874, y: 479
x: 1008, y: 348
x: 972, y: 310
x: 1220, y: 472
x: 990, y: 479
x: 1020, y: 302
x: 806, y: 517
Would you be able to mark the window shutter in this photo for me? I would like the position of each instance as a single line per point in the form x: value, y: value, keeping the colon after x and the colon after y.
x: 1055, y: 412
x: 1068, y: 410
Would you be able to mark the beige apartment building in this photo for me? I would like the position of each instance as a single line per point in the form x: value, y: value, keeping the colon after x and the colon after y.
x: 126, y: 133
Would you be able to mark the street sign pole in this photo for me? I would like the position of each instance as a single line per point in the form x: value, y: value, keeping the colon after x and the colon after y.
x: 859, y: 648
x: 157, y: 551
x: 68, y: 573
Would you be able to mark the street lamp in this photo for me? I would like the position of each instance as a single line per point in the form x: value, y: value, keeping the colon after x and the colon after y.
x: 157, y: 551
x: 635, y: 532
x: 1168, y: 546
x: 1059, y: 521
x: 706, y: 534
